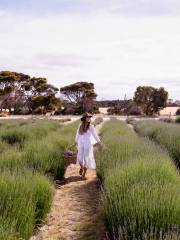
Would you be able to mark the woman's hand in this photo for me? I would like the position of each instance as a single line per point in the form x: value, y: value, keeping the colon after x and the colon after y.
x: 97, y: 144
x: 100, y: 146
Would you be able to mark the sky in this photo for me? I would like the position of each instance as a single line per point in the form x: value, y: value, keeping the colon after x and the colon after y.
x: 116, y: 44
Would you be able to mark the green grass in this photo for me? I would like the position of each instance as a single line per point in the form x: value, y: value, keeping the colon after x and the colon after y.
x: 141, y: 198
x: 165, y: 134
x: 14, y: 136
x: 37, y: 153
x: 34, y: 129
x: 25, y: 200
x: 30, y: 154
x: 48, y: 156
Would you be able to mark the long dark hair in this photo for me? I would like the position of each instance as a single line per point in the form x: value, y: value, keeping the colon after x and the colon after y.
x: 84, y: 126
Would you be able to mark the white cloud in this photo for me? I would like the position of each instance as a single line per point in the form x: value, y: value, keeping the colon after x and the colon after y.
x: 145, y: 7
x: 102, y: 48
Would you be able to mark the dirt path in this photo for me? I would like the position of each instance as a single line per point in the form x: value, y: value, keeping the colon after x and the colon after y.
x: 76, y: 213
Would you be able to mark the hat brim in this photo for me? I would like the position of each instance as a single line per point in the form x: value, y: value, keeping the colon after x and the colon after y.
x: 83, y: 118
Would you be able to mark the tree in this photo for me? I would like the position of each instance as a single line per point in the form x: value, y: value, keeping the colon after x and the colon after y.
x: 19, y: 91
x: 11, y: 89
x: 120, y: 107
x: 151, y: 99
x: 81, y: 95
x: 125, y: 107
x: 43, y: 95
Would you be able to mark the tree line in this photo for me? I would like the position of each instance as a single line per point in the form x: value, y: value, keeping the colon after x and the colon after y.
x: 23, y: 94
x: 147, y: 100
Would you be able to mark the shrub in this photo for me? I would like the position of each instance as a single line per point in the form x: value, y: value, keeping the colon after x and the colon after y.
x: 42, y: 154
x: 14, y: 136
x: 178, y: 112
x: 46, y: 155
x: 167, y: 120
x: 116, y: 110
x: 7, y: 230
x: 166, y: 134
x: 3, y: 146
x: 141, y: 199
x: 25, y: 200
x: 134, y: 110
x: 25, y: 195
x: 178, y: 120
x: 46, y: 158
x: 35, y: 129
x: 39, y: 129
x: 11, y: 160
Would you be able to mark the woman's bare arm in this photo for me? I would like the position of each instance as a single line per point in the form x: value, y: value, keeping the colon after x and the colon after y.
x: 94, y: 133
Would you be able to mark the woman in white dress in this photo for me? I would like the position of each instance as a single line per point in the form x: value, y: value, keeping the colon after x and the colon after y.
x: 86, y: 138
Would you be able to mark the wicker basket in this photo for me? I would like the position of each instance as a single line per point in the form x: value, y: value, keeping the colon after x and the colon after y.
x: 70, y: 157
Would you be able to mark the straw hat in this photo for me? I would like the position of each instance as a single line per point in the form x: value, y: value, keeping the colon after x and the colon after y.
x: 86, y: 115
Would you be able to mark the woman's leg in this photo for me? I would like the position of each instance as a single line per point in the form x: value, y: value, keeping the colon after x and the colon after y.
x: 81, y: 169
x: 84, y: 172
x: 80, y: 154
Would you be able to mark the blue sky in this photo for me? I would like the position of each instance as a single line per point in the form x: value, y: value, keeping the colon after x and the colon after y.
x: 122, y: 7
x: 117, y: 44
x: 43, y: 6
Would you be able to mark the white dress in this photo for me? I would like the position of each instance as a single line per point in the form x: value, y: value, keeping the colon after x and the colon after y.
x: 85, y: 141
